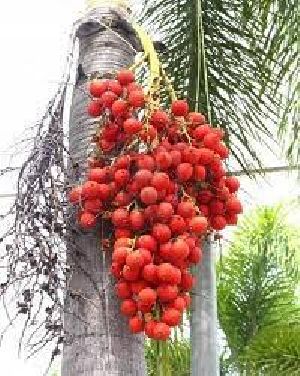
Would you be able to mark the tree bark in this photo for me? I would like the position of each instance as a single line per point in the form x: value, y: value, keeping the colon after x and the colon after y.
x: 97, y: 339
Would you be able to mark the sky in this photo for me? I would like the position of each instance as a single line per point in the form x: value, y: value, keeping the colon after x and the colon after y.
x: 33, y: 39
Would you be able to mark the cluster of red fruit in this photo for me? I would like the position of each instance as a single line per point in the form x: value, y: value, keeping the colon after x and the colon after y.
x: 161, y: 201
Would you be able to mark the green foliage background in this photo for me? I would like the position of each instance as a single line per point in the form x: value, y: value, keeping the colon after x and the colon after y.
x: 236, y: 60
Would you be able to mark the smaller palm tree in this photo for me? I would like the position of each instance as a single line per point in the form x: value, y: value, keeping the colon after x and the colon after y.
x: 258, y: 308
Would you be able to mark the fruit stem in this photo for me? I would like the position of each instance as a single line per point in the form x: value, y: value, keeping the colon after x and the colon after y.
x: 154, y: 79
x: 161, y: 359
x: 158, y: 360
x: 165, y: 359
x: 184, y: 194
x: 168, y: 82
x: 139, y: 62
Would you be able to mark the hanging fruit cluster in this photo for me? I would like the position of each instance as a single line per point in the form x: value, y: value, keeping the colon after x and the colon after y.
x: 159, y: 178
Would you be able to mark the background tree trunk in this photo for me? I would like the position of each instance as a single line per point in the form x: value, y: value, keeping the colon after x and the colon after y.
x: 98, y: 341
x: 205, y: 357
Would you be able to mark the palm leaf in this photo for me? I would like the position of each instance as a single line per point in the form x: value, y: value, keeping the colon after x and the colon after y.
x: 274, y: 351
x: 257, y: 280
x: 232, y: 59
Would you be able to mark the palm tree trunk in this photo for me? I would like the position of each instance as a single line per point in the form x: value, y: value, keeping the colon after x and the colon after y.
x: 97, y: 340
x: 205, y: 358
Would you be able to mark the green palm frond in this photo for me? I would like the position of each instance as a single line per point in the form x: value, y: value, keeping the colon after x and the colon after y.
x: 173, y: 360
x: 289, y: 129
x: 265, y: 222
x: 233, y: 58
x: 274, y: 351
x: 257, y: 280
